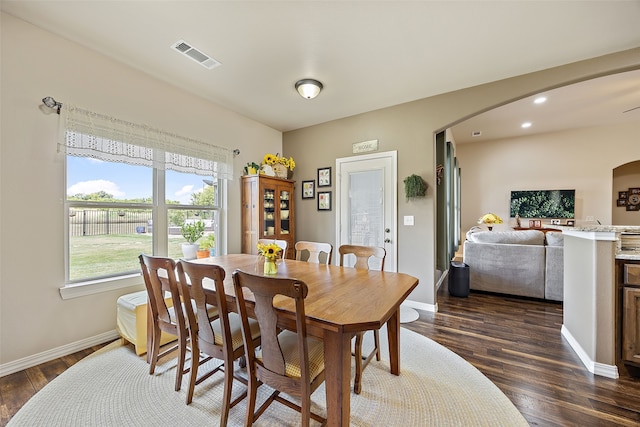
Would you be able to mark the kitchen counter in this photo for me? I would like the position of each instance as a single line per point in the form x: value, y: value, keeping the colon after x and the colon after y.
x: 623, y: 251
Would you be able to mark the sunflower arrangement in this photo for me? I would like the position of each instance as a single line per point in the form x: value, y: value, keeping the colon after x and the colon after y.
x: 268, y: 250
x: 490, y: 219
x: 270, y: 159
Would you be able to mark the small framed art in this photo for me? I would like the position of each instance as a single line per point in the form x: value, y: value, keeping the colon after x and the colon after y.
x: 308, y: 190
x: 622, y: 194
x: 537, y: 223
x: 622, y: 202
x: 324, y: 177
x: 571, y: 223
x: 324, y: 200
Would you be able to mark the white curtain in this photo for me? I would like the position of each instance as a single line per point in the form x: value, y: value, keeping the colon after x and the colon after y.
x: 90, y: 134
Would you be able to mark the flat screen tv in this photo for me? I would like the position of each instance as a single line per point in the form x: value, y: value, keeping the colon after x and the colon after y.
x: 543, y: 203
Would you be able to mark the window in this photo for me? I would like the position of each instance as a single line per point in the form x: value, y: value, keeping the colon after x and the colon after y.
x: 124, y: 199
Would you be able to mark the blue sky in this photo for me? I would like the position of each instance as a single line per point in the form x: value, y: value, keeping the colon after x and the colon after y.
x: 86, y: 175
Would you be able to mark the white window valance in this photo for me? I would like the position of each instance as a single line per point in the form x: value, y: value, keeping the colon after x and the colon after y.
x: 95, y: 135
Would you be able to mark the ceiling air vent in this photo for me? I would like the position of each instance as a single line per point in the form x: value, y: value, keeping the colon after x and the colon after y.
x: 186, y: 49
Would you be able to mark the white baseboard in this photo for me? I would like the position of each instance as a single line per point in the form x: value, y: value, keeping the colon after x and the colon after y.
x: 421, y: 306
x: 55, y: 353
x: 609, y: 371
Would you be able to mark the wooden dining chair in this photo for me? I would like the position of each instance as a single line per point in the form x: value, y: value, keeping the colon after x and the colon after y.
x: 282, y: 243
x: 314, y: 249
x: 220, y: 338
x: 289, y: 362
x: 364, y: 255
x: 159, y: 278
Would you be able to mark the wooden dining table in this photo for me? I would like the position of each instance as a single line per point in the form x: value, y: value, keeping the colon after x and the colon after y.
x: 341, y: 301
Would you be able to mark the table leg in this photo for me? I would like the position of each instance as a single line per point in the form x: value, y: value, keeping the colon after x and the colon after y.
x: 393, y: 334
x: 337, y: 365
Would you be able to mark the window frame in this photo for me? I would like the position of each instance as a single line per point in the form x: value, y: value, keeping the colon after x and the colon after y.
x: 159, y: 208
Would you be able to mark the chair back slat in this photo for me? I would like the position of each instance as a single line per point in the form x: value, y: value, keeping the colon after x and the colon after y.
x: 192, y: 277
x: 264, y: 290
x: 363, y: 255
x: 314, y: 249
x: 159, y: 277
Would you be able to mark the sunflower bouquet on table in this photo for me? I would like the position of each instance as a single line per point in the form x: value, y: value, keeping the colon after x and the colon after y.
x: 269, y: 250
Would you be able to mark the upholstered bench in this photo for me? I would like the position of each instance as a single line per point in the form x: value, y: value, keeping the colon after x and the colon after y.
x: 131, y: 320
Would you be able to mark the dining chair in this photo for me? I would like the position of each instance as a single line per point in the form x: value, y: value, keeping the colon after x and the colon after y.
x: 282, y: 243
x: 314, y: 249
x: 159, y: 278
x: 289, y: 362
x: 221, y: 338
x: 363, y: 255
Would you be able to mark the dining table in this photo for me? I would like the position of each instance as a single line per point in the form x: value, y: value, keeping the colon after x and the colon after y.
x: 341, y: 302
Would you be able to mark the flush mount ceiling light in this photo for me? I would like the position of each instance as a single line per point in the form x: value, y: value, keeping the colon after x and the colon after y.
x: 308, y: 88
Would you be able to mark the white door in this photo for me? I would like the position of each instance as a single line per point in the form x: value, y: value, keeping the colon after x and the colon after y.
x: 366, y: 203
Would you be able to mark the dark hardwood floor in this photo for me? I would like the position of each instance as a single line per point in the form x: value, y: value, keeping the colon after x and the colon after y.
x: 515, y: 342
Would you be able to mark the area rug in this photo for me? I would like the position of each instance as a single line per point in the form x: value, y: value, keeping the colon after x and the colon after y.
x: 112, y: 387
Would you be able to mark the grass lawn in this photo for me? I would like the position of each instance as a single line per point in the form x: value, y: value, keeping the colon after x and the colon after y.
x: 88, y: 260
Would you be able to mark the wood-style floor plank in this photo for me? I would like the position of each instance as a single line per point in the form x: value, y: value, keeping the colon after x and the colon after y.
x: 515, y: 342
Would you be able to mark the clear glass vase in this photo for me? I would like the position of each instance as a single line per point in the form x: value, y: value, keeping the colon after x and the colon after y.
x: 270, y: 267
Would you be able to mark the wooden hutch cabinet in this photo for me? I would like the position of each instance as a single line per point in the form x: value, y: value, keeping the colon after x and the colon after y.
x: 267, y: 212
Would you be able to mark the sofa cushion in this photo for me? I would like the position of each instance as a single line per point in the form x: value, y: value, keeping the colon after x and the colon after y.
x: 524, y: 237
x: 555, y: 238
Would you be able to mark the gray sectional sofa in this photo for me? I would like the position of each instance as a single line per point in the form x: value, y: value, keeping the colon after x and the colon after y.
x: 524, y: 262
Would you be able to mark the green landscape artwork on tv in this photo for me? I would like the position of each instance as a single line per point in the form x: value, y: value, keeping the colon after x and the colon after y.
x: 543, y: 203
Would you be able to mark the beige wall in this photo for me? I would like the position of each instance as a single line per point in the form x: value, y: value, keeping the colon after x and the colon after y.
x: 35, y: 64
x: 409, y: 128
x: 33, y: 318
x: 625, y: 177
x: 580, y: 159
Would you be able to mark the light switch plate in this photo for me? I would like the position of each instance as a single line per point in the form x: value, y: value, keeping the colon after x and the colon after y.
x: 408, y: 220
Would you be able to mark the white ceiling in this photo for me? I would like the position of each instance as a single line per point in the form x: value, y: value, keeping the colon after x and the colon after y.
x: 368, y: 54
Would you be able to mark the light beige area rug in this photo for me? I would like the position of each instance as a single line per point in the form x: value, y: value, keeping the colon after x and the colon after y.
x: 112, y: 387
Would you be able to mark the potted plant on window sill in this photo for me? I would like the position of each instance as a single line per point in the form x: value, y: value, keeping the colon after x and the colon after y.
x: 207, y: 246
x: 191, y: 232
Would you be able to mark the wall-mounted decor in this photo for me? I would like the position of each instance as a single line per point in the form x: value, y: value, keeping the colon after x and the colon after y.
x: 571, y: 223
x: 308, y: 190
x: 622, y: 194
x: 543, y: 203
x: 324, y: 177
x: 324, y: 200
x: 415, y: 186
x: 621, y: 202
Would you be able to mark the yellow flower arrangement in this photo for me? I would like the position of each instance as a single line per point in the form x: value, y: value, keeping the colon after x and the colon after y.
x: 268, y: 250
x: 270, y: 159
x: 490, y: 219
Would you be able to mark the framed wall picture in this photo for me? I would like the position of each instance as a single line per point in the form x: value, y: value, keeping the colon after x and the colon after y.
x: 308, y: 189
x: 324, y: 177
x: 537, y: 223
x: 622, y: 194
x: 635, y: 190
x: 532, y: 223
x: 324, y: 200
x: 622, y: 202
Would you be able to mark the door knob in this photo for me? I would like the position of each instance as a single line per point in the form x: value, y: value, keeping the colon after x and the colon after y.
x: 387, y: 230
x: 387, y: 240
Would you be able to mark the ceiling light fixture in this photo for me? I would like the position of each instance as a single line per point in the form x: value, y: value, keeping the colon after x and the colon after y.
x: 526, y: 125
x: 540, y: 100
x: 308, y: 88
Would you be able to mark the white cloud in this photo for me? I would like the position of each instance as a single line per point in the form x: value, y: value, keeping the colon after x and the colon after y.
x: 184, y: 194
x: 88, y: 187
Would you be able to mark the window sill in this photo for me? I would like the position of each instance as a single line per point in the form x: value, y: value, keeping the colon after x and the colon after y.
x: 82, y: 289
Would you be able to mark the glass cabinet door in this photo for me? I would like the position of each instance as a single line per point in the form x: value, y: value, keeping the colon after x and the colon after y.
x: 269, y: 204
x: 284, y: 212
